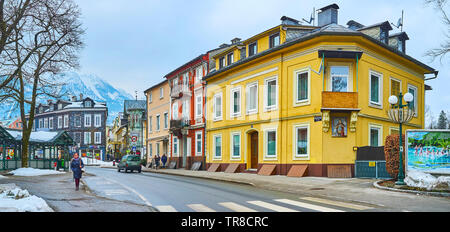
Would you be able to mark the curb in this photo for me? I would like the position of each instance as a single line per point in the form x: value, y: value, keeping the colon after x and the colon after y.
x: 437, y: 194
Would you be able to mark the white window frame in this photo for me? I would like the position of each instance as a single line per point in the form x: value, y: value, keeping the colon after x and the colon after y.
x: 248, y: 110
x: 166, y: 120
x: 198, y: 74
x: 215, y: 157
x: 41, y: 123
x: 215, y: 117
x: 186, y: 109
x: 66, y: 121
x: 175, y: 111
x: 265, y: 143
x: 161, y: 92
x: 232, y: 91
x: 97, y: 137
x: 150, y: 125
x: 305, y: 101
x: 88, y: 136
x: 50, y: 123
x: 60, y: 122
x: 199, y: 152
x: 295, y: 155
x: 198, y: 105
x: 390, y: 85
x: 232, y: 58
x: 349, y: 76
x: 266, y: 89
x: 87, y: 116
x: 378, y: 104
x: 158, y: 122
x: 175, y: 154
x: 380, y: 133
x: 416, y: 98
x: 99, y: 116
x: 232, y: 156
x: 46, y: 123
x: 150, y: 97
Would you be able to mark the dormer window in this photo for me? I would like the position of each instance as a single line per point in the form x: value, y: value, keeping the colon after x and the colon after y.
x: 230, y: 58
x: 222, y: 62
x: 274, y: 40
x: 87, y: 104
x: 383, y: 35
x: 59, y: 106
x: 400, y: 45
x: 252, y: 49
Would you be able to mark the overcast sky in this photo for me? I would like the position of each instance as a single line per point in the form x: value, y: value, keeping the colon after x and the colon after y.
x: 133, y: 43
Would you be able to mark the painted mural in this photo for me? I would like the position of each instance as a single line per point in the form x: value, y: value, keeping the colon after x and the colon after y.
x: 428, y: 151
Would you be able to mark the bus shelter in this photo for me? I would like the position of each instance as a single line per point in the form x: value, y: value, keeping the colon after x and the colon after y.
x: 46, y: 149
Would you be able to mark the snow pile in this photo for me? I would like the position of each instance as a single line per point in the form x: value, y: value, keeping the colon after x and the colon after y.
x: 427, y: 181
x: 14, y: 199
x: 34, y: 172
x: 89, y: 161
x: 3, y: 177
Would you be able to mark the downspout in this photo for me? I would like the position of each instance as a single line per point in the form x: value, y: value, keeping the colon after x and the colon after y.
x: 357, y: 61
x: 323, y: 73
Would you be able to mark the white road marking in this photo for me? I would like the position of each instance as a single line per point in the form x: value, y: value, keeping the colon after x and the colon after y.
x: 276, y: 208
x: 116, y: 192
x: 166, y: 208
x: 236, y: 207
x: 337, y: 203
x: 200, y: 208
x: 308, y: 206
x: 132, y: 190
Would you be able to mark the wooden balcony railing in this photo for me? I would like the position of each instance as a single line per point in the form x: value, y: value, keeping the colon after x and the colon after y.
x: 339, y: 100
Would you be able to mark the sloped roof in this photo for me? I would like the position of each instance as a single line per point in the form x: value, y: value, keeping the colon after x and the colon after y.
x: 54, y: 137
x: 135, y: 105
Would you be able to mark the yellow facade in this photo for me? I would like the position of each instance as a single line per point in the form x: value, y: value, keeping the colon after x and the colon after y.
x: 289, y: 114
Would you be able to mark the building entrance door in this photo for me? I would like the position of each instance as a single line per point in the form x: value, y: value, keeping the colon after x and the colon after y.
x: 254, y: 150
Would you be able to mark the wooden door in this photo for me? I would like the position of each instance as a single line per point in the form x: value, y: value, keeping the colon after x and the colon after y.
x: 254, y: 150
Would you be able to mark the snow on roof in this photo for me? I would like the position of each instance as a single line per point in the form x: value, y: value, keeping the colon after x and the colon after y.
x: 36, y: 136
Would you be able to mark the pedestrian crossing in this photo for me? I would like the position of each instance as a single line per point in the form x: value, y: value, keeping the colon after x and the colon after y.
x: 304, y: 204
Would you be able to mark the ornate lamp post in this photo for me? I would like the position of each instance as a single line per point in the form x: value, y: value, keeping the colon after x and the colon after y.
x: 401, y: 113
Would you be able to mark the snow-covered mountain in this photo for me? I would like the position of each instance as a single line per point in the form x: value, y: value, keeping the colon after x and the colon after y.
x: 87, y: 84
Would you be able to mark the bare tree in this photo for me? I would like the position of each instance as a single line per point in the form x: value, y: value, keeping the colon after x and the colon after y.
x: 50, y: 38
x: 444, y: 48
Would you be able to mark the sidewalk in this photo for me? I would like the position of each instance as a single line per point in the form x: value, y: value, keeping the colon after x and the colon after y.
x: 59, y: 193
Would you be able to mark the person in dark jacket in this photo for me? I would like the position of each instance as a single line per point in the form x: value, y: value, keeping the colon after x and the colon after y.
x: 76, y: 164
x: 164, y: 160
x: 157, y: 161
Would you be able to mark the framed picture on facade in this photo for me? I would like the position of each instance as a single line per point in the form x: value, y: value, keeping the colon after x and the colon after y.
x: 339, y: 127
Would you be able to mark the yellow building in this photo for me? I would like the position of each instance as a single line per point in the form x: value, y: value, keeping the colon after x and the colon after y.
x: 298, y: 96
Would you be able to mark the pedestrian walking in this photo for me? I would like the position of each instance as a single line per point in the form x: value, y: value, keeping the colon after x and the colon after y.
x: 164, y: 160
x: 157, y: 159
x: 76, y: 165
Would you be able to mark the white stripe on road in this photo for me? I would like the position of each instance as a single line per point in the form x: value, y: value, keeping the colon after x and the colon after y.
x: 200, y: 208
x: 166, y: 208
x: 308, y: 206
x: 337, y: 203
x: 132, y: 190
x: 236, y: 207
x: 273, y: 207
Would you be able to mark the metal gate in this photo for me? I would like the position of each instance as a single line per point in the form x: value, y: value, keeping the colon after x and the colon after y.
x: 10, y: 164
x: 370, y: 163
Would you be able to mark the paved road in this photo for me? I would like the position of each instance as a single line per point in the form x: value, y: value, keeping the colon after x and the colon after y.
x: 184, y: 194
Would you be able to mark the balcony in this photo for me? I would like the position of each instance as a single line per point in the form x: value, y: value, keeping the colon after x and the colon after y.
x: 339, y: 100
x: 180, y: 90
x: 177, y: 126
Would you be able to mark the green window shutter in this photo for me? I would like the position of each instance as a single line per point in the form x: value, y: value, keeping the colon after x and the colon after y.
x: 271, y: 143
x: 218, y: 147
x: 236, y: 145
x: 374, y: 91
x: 374, y: 137
x: 302, y: 141
x: 302, y: 86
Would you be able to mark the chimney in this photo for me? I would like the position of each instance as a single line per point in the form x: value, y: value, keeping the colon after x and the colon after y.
x: 328, y: 15
x: 49, y: 101
x: 81, y: 97
x: 74, y: 98
x: 289, y: 21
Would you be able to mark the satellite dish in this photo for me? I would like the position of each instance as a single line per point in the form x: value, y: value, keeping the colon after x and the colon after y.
x: 399, y: 23
x: 311, y: 19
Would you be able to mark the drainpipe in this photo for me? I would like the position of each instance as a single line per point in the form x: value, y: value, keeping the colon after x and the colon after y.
x: 357, y: 73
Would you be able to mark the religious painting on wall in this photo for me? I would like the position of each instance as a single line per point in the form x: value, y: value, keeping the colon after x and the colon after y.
x: 339, y: 127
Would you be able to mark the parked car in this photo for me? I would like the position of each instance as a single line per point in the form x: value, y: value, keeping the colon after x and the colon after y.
x: 130, y: 162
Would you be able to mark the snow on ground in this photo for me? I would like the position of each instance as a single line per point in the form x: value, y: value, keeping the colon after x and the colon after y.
x: 87, y: 161
x: 15, y: 199
x: 34, y: 172
x: 427, y: 181
x: 3, y: 177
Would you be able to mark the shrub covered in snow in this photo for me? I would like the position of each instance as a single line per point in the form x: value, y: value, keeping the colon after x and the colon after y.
x: 427, y: 181
x: 15, y: 199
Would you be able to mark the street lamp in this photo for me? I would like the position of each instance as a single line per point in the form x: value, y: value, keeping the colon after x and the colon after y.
x: 401, y: 113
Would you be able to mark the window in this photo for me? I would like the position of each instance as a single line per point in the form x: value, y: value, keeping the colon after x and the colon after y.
x: 59, y: 106
x: 396, y: 86
x: 150, y: 97
x: 175, y: 146
x: 77, y: 121
x: 150, y: 124
x: 271, y: 94
x: 161, y: 92
x: 413, y: 90
x: 274, y: 40
x: 230, y: 58
x: 222, y: 62
x: 87, y: 120
x: 157, y: 122
x: 46, y: 123
x: 252, y: 98
x: 339, y: 78
x: 383, y: 35
x: 157, y: 149
x: 217, y: 144
x: 66, y: 121
x: 394, y: 131
x: 50, y: 123
x: 87, y: 104
x: 166, y: 120
x: 375, y: 132
x: 400, y: 45
x: 235, y: 145
x: 198, y: 142
x: 98, y: 120
x: 41, y: 123
x: 217, y: 107
x: 60, y: 122
x: 98, y: 137
x: 199, y: 74
x: 175, y: 111
x: 198, y: 105
x: 270, y: 143
x: 376, y: 88
x: 186, y: 108
x: 301, y: 142
x: 302, y: 86
x: 252, y: 49
x: 87, y: 138
x: 77, y: 138
x: 150, y: 149
x: 235, y: 102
